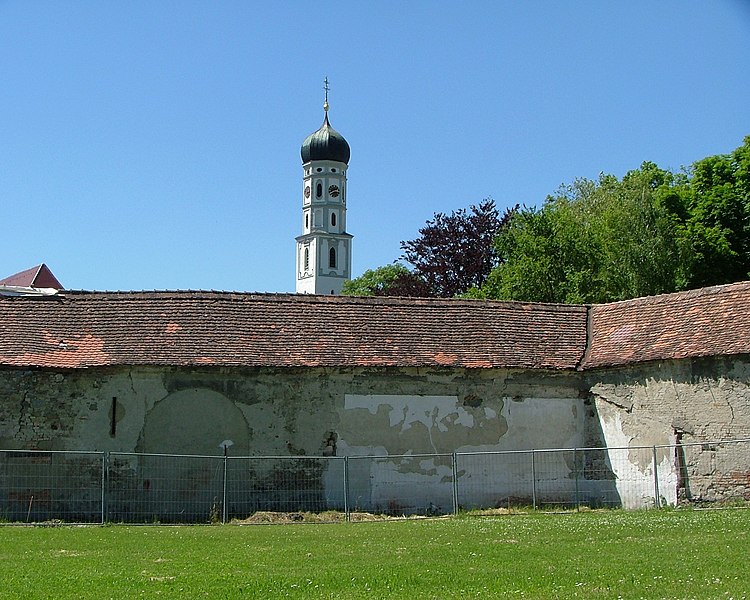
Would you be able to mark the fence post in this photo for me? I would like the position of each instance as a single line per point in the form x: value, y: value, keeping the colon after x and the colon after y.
x: 224, y: 489
x: 455, y: 482
x: 533, y: 479
x: 657, y: 503
x: 347, y: 513
x: 105, y: 483
x: 575, y: 466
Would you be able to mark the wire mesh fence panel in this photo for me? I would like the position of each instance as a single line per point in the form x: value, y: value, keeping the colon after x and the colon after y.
x: 597, y: 479
x: 38, y: 486
x: 713, y: 471
x: 495, y: 480
x: 401, y: 485
x: 557, y: 475
x: 284, y: 484
x: 153, y: 488
x: 622, y: 477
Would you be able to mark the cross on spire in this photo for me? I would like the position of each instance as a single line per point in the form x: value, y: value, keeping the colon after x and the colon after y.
x: 326, y: 88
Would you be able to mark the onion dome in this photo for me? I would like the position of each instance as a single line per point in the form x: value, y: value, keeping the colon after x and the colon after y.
x: 325, y: 144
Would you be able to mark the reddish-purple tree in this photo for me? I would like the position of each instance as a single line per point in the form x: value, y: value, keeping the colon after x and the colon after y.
x: 456, y: 252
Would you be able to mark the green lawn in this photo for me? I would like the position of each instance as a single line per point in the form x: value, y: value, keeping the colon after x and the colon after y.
x: 649, y: 554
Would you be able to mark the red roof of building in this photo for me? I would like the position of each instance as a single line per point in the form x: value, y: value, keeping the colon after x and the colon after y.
x: 35, y: 277
x: 711, y: 321
x: 86, y: 329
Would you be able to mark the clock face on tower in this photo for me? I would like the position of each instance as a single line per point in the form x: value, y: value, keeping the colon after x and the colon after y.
x: 333, y: 191
x: 307, y: 191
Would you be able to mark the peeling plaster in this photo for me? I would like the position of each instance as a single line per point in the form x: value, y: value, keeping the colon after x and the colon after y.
x: 412, y: 424
x: 383, y: 411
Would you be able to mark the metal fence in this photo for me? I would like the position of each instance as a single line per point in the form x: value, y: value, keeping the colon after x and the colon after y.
x: 98, y: 487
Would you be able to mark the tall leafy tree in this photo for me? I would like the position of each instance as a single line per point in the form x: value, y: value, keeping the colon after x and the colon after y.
x: 547, y: 254
x: 641, y: 252
x: 594, y: 241
x: 718, y: 226
x: 454, y: 253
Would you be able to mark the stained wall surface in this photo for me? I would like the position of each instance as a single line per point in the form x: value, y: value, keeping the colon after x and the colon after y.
x: 267, y: 411
x: 311, y: 412
x: 662, y: 414
x: 679, y: 407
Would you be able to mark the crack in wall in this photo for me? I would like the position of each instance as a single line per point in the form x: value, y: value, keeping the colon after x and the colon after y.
x: 24, y: 419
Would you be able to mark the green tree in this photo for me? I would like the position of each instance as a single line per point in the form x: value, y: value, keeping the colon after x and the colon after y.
x: 390, y: 280
x: 637, y: 234
x: 594, y: 241
x: 718, y: 227
x: 547, y: 255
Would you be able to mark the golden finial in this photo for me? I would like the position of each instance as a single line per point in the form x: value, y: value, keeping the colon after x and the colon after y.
x: 326, y: 88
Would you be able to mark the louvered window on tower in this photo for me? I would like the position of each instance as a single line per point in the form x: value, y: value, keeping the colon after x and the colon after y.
x: 332, y: 258
x: 307, y: 259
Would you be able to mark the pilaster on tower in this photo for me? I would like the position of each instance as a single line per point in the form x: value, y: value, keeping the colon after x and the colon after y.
x: 324, y: 250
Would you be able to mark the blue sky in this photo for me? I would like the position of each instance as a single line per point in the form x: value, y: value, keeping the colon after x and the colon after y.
x: 155, y: 145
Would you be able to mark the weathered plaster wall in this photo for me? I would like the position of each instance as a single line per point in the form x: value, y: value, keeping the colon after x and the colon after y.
x: 661, y: 404
x: 312, y: 412
x: 404, y: 412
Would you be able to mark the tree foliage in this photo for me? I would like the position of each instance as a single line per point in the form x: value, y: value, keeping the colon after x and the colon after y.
x: 718, y: 226
x: 648, y: 233
x: 390, y: 280
x: 456, y: 252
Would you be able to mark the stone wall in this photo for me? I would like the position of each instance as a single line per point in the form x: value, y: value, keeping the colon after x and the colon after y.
x: 678, y: 406
x: 311, y: 412
x: 661, y: 415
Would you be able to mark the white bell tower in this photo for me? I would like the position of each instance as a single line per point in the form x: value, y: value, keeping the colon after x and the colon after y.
x: 324, y: 250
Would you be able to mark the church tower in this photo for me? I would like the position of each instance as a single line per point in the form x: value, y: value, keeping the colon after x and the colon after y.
x: 324, y: 250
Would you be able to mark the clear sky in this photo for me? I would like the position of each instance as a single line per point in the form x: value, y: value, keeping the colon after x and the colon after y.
x: 155, y: 145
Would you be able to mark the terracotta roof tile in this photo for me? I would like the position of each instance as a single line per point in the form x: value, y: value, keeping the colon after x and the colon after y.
x: 705, y: 322
x: 86, y: 329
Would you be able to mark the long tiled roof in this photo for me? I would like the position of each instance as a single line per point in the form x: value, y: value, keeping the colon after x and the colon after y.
x: 87, y: 329
x: 710, y: 321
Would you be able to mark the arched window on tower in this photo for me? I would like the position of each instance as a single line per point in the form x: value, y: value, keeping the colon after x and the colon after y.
x: 333, y: 219
x: 307, y: 259
x: 319, y: 190
x: 332, y: 258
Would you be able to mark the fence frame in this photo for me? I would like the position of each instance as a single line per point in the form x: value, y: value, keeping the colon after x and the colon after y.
x: 106, y: 475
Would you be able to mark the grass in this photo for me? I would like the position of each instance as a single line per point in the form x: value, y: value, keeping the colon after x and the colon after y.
x: 609, y: 554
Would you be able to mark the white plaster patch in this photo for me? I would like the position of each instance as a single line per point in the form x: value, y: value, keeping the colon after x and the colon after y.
x: 538, y: 423
x: 431, y: 411
x: 636, y: 485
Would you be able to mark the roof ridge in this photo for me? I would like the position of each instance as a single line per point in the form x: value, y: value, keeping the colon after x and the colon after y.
x: 315, y: 298
x: 672, y: 296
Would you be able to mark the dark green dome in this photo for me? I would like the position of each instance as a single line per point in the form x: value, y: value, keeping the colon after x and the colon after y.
x: 325, y: 144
